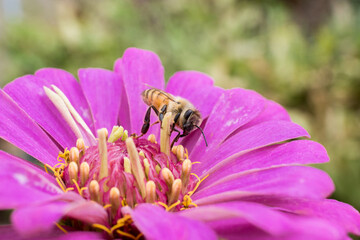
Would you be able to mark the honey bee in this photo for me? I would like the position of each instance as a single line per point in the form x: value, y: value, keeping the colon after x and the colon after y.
x: 184, y: 114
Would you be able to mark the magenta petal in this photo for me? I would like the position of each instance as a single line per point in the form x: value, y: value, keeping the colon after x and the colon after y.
x: 22, y: 184
x: 234, y: 108
x: 28, y: 93
x: 197, y: 88
x: 339, y: 213
x: 290, y: 153
x: 37, y: 220
x: 19, y: 129
x: 273, y: 111
x: 138, y: 68
x: 155, y: 223
x: 71, y: 88
x: 40, y: 218
x: 254, y: 221
x: 8, y: 232
x: 88, y: 212
x: 102, y: 89
x: 260, y: 135
x: 296, y: 181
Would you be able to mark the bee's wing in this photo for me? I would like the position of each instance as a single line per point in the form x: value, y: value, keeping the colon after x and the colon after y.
x: 169, y: 96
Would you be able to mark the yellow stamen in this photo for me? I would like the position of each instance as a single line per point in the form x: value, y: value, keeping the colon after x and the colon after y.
x: 107, y: 206
x: 125, y: 234
x: 168, y: 177
x: 139, y: 236
x: 73, y: 171
x: 84, y: 173
x: 180, y: 153
x: 186, y: 154
x: 136, y: 167
x: 150, y: 192
x: 121, y: 222
x: 94, y: 190
x: 114, y: 200
x: 60, y: 227
x: 197, y: 184
x: 173, y: 205
x: 146, y: 167
x: 163, y: 205
x: 125, y: 135
x: 152, y: 138
x: 185, y: 173
x: 175, y: 191
x: 123, y: 202
x: 77, y: 187
x: 102, y: 227
x: 82, y: 189
x: 141, y: 153
x: 74, y: 155
x: 127, y: 165
x: 174, y: 149
x: 113, y: 130
x: 80, y: 144
x: 165, y: 134
x: 104, y: 171
x: 116, y: 133
x: 60, y: 184
x: 69, y: 189
x: 157, y: 169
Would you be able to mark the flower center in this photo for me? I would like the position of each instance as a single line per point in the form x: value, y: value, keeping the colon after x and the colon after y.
x: 124, y: 171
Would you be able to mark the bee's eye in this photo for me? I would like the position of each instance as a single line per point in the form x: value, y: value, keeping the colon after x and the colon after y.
x: 188, y: 113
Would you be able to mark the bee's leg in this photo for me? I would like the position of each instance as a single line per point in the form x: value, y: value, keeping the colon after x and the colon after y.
x: 176, y: 118
x: 155, y: 123
x: 162, y: 114
x: 146, y: 124
x: 176, y: 138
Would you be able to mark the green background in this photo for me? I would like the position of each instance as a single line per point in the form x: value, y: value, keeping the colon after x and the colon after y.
x: 303, y: 54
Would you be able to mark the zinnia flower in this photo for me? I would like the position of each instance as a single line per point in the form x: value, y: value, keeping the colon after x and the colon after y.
x: 96, y: 181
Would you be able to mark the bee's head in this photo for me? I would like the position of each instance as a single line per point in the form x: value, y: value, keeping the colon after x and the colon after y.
x: 192, y: 119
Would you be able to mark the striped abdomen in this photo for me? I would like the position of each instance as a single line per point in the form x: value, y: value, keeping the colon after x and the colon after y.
x: 155, y: 97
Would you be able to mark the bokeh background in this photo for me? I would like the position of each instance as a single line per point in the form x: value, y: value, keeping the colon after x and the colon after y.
x: 302, y: 53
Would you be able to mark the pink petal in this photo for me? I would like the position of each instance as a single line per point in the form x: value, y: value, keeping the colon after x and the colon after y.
x: 138, y: 68
x: 40, y: 218
x: 290, y: 153
x: 296, y: 181
x: 21, y: 183
x: 29, y: 94
x: 254, y: 221
x: 8, y: 232
x: 67, y: 83
x: 260, y: 135
x: 19, y: 129
x: 234, y: 108
x: 196, y: 87
x: 102, y: 89
x: 37, y: 220
x: 155, y: 223
x: 339, y: 213
x: 272, y: 111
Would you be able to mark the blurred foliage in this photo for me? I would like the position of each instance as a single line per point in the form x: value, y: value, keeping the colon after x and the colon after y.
x: 306, y: 60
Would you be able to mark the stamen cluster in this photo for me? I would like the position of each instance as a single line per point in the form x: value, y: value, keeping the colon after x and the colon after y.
x: 126, y: 171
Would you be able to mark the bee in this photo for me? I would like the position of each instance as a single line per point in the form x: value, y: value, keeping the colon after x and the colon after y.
x: 184, y: 114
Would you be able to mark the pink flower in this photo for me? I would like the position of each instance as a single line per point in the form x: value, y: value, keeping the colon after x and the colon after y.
x: 249, y: 183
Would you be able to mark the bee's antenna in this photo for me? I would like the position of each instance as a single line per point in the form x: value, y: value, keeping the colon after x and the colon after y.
x: 202, y: 134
